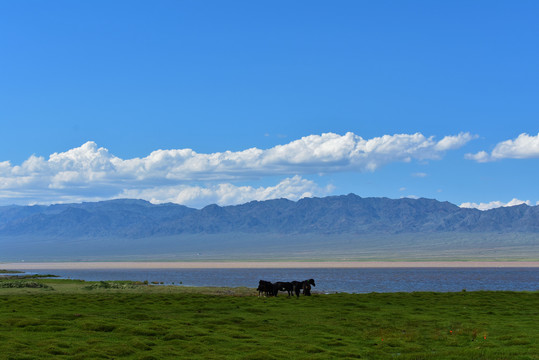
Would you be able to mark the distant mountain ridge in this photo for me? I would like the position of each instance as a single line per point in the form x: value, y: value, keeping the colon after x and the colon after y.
x: 346, y: 214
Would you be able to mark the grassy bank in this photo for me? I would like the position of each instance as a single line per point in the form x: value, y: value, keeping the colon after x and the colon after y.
x: 87, y: 320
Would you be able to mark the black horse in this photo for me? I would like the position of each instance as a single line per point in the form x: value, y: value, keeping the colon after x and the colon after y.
x: 282, y: 286
x: 265, y: 287
x: 306, y: 289
x: 304, y: 285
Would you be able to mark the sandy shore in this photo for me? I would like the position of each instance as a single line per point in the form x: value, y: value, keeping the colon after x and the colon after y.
x: 262, y: 264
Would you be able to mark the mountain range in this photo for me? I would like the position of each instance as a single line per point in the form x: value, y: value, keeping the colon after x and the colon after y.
x: 129, y: 227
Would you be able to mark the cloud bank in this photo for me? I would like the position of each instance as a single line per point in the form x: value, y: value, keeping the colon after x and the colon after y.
x: 293, y: 188
x: 494, y: 204
x: 90, y: 172
x: 523, y: 147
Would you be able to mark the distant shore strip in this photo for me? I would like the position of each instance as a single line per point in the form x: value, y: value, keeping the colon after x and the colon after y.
x: 264, y: 264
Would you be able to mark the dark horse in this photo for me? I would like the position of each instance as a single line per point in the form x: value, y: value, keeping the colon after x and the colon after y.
x: 304, y: 285
x: 265, y: 287
x: 282, y: 286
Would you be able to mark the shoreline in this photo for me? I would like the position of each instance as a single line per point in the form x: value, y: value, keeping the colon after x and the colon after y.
x: 263, y: 265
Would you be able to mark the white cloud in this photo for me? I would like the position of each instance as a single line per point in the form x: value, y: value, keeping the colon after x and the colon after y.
x: 93, y: 172
x: 311, y: 154
x: 494, y: 204
x: 293, y: 188
x: 454, y: 142
x: 481, y: 156
x: 419, y: 174
x: 523, y: 147
x: 415, y: 197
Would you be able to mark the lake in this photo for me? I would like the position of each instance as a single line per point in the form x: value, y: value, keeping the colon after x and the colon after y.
x: 328, y: 280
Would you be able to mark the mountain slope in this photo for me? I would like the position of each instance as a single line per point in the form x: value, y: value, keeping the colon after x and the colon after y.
x: 348, y: 214
x: 335, y: 227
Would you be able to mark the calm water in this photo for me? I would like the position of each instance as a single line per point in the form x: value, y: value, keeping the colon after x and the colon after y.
x: 331, y: 280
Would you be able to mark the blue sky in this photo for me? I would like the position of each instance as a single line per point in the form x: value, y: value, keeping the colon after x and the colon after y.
x: 200, y: 102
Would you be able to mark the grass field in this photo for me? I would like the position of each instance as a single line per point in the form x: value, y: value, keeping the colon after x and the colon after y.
x: 123, y: 320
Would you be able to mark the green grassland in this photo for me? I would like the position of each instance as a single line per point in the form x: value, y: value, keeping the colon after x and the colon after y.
x: 70, y: 319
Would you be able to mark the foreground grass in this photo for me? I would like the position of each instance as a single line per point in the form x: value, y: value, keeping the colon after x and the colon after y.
x: 110, y: 320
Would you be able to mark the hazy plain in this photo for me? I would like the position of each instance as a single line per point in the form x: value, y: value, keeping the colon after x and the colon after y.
x: 263, y: 264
